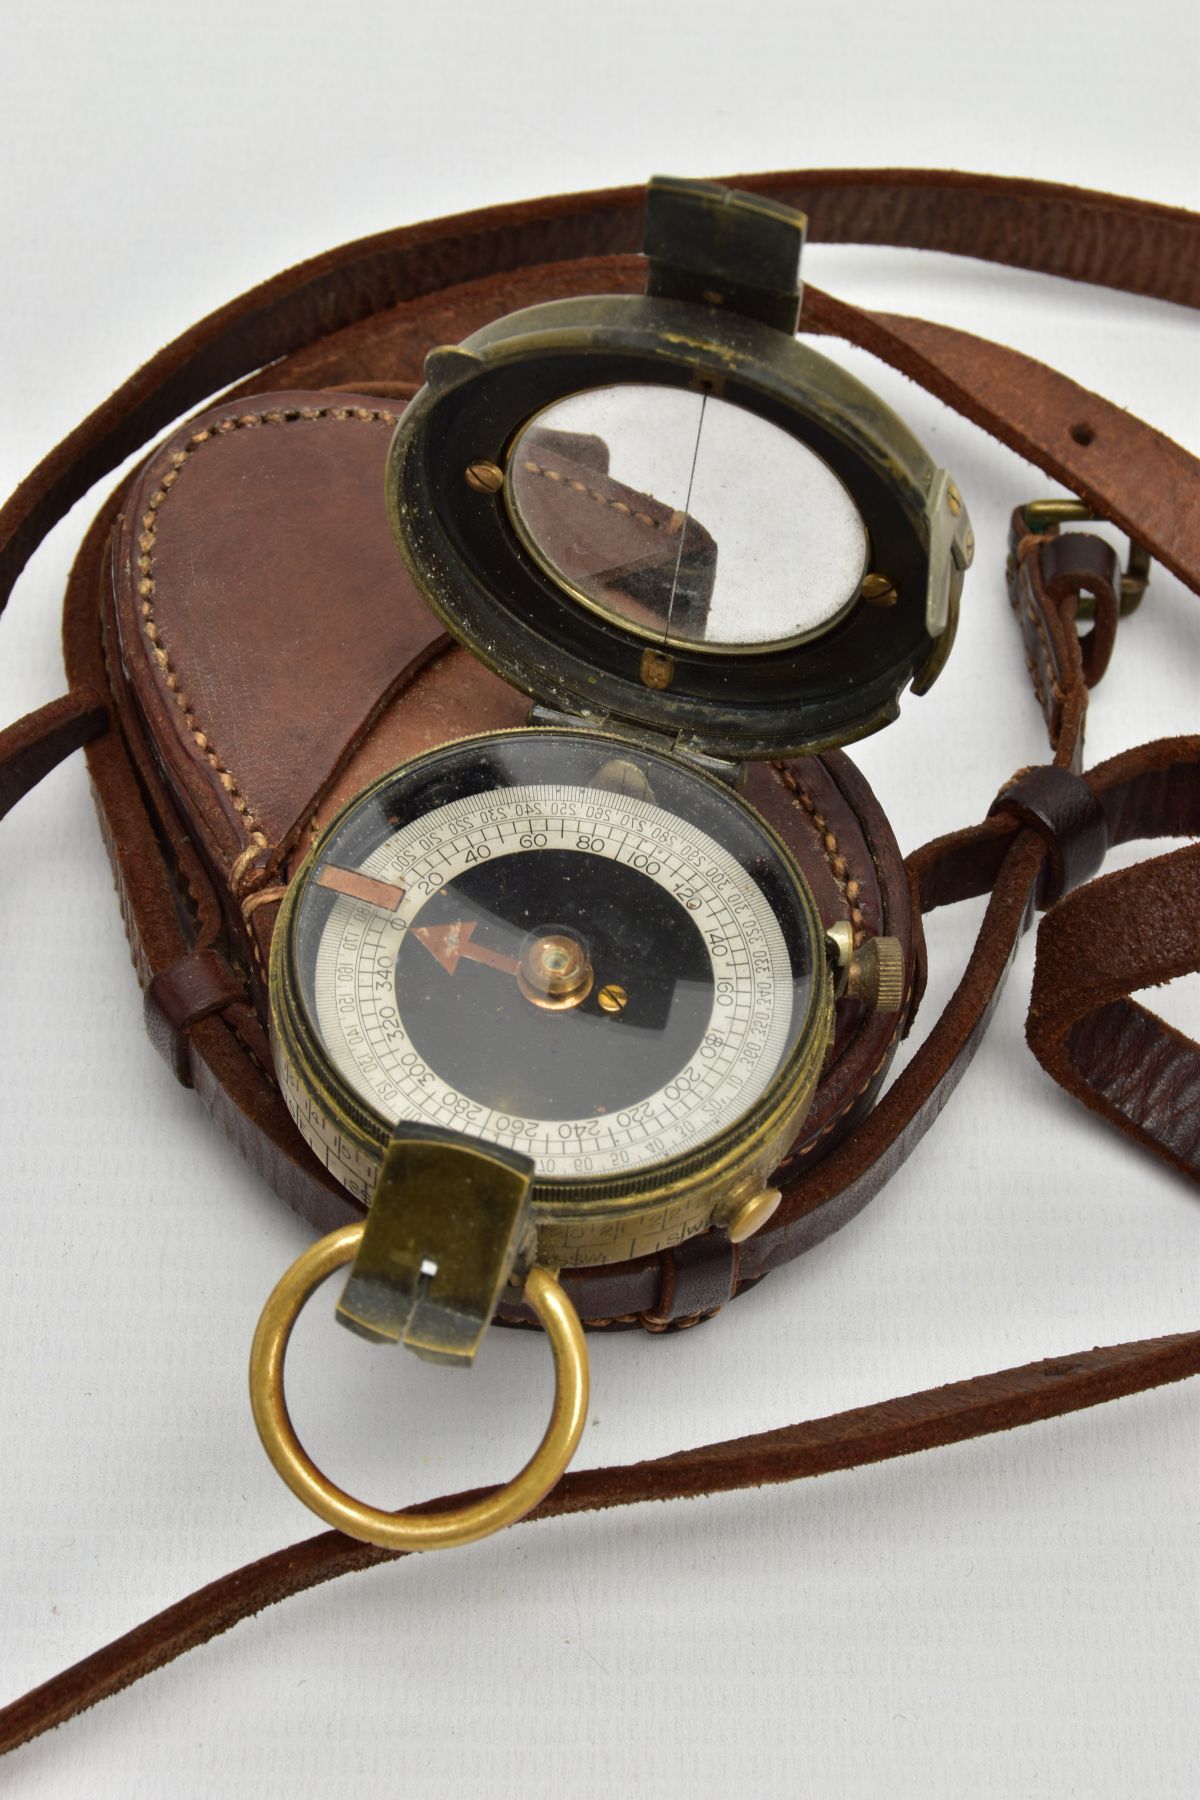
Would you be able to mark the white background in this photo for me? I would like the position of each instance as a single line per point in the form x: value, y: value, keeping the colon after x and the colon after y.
x: 1013, y: 1617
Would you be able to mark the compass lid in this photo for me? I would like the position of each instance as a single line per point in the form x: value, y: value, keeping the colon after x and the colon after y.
x: 662, y: 510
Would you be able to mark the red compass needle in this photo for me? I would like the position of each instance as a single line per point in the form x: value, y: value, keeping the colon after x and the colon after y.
x: 448, y: 943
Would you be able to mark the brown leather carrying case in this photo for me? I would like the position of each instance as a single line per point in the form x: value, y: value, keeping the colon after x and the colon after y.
x: 270, y: 657
x: 226, y: 718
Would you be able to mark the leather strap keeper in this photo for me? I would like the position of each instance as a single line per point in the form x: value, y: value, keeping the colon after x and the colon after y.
x: 698, y: 1278
x: 180, y: 996
x: 1060, y: 806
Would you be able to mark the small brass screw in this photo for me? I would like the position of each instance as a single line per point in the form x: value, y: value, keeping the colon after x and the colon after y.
x: 954, y: 500
x: 613, y: 999
x: 485, y: 477
x: 657, y: 670
x: 877, y: 590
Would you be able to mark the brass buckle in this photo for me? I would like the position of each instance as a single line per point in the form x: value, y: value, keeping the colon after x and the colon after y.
x: 1040, y: 515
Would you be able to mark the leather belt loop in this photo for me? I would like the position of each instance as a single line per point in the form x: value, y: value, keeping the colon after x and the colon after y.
x: 180, y: 996
x: 699, y: 1277
x: 1062, y: 808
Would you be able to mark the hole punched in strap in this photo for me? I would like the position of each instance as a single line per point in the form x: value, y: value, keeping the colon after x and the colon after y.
x: 1061, y: 807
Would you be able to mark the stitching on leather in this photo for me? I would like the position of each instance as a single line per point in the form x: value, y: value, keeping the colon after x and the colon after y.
x: 146, y: 547
x: 683, y: 1324
x: 581, y: 487
x: 254, y: 949
x: 657, y: 1327
x: 240, y: 1034
x: 240, y: 864
x: 250, y: 1052
x: 1041, y: 682
x: 137, y: 954
x: 1038, y: 689
x: 848, y: 885
x: 263, y: 897
x: 850, y: 888
x: 183, y: 880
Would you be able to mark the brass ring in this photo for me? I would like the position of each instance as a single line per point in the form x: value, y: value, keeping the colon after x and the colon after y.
x: 413, y: 1531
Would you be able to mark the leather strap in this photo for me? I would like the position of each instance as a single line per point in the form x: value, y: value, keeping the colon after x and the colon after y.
x: 34, y: 745
x: 1150, y: 792
x: 1140, y: 929
x: 1081, y: 1022
x: 847, y: 1440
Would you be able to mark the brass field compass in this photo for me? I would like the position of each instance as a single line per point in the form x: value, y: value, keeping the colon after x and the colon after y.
x: 557, y: 996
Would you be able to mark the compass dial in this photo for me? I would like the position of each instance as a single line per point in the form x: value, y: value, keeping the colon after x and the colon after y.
x: 558, y: 944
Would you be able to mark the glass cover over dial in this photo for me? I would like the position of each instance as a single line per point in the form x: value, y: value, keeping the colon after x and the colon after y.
x: 560, y: 943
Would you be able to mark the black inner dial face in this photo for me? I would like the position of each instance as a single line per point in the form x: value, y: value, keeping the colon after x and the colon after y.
x: 557, y: 942
x: 498, y: 1038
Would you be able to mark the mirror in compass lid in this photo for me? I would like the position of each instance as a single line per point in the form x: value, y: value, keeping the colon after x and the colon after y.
x: 686, y: 518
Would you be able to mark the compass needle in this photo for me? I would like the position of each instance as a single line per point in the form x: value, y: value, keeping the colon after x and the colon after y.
x: 452, y: 944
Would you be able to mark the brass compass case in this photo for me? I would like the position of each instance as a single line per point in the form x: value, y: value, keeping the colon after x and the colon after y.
x: 578, y: 1219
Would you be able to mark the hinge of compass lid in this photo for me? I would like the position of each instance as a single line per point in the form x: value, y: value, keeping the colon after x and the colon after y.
x: 450, y: 1218
x: 667, y: 743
